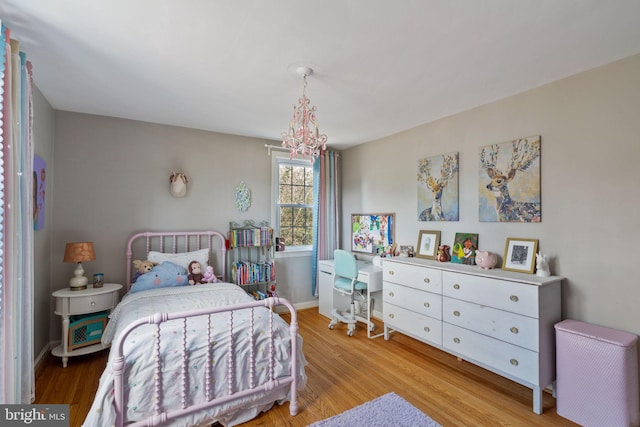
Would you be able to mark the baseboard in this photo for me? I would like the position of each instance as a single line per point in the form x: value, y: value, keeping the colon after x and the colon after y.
x: 41, y: 357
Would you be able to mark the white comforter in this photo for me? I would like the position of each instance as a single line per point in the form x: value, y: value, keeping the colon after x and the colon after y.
x: 139, y: 351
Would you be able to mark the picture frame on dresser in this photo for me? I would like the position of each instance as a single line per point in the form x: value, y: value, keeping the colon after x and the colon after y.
x: 428, y: 242
x: 520, y: 255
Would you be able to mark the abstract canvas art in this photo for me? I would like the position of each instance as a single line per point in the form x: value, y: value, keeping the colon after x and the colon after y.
x: 39, y: 191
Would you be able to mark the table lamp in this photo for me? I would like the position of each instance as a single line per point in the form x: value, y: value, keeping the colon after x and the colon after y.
x: 79, y: 252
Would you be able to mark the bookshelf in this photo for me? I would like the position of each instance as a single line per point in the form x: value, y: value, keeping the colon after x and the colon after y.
x: 251, y: 258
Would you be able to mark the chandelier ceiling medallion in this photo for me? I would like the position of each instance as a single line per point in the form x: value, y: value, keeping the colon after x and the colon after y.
x: 303, y: 137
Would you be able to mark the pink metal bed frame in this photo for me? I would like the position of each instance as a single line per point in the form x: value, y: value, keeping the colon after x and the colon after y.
x: 193, y: 241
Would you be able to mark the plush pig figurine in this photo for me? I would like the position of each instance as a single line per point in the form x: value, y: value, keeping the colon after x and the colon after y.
x: 486, y: 259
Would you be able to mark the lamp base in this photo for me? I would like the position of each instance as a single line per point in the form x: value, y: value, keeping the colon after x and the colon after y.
x: 78, y: 282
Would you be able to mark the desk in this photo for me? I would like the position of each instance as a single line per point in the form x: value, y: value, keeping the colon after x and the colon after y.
x: 327, y: 299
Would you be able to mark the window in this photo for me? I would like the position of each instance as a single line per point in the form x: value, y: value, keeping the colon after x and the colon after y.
x: 294, y: 207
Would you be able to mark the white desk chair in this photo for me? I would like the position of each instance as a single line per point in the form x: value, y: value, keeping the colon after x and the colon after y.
x: 345, y: 281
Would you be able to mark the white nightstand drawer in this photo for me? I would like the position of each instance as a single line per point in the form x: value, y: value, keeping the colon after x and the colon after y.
x: 513, y: 360
x: 518, y: 298
x: 421, y: 327
x: 90, y: 304
x: 503, y: 325
x: 421, y: 302
x: 419, y: 277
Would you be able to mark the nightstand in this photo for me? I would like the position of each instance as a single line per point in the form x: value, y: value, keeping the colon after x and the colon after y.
x: 87, y: 301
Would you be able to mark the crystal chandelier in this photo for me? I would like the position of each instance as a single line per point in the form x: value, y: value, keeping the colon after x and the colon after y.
x: 303, y: 137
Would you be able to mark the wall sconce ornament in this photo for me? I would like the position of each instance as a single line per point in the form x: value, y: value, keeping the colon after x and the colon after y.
x: 178, y: 184
x: 243, y: 197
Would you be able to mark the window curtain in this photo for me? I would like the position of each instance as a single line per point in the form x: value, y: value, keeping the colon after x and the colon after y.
x: 326, y: 211
x: 16, y: 225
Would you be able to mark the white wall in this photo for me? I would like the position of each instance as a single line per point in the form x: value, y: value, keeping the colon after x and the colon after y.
x: 590, y: 128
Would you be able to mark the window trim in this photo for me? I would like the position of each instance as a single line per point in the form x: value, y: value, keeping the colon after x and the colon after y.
x: 276, y: 159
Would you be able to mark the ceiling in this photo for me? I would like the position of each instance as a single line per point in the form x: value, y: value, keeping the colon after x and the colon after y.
x: 380, y: 66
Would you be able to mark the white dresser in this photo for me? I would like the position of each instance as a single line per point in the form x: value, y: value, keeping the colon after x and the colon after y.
x: 500, y: 320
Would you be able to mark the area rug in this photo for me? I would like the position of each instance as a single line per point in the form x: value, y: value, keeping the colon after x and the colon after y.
x: 385, y: 411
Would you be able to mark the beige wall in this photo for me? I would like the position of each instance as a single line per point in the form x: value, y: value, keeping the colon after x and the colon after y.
x: 43, y: 132
x: 112, y: 180
x: 590, y: 128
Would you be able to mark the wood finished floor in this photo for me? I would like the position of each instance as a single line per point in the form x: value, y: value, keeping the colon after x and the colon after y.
x: 344, y: 372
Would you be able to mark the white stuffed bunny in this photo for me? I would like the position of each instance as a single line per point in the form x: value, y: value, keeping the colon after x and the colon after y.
x: 209, y: 277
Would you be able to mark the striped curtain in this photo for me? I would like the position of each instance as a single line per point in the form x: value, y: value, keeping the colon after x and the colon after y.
x: 326, y: 211
x: 16, y: 225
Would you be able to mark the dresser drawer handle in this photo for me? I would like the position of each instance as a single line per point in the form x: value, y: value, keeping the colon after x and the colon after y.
x: 426, y: 280
x: 426, y: 329
x: 514, y: 298
x: 456, y: 313
x: 391, y: 316
x: 427, y: 305
x: 93, y: 303
x: 514, y: 362
x: 456, y: 340
x: 391, y: 294
x: 514, y: 330
x: 456, y: 286
x: 391, y: 273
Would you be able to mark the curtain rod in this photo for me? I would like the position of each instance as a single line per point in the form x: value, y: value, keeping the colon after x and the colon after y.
x: 270, y: 147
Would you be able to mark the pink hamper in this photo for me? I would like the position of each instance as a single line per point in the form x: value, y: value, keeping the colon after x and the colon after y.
x: 597, y: 375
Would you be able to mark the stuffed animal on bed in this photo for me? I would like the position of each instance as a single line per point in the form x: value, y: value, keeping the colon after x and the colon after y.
x: 195, y: 273
x: 209, y: 276
x: 142, y: 267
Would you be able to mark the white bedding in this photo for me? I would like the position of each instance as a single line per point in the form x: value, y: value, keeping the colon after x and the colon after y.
x: 139, y: 351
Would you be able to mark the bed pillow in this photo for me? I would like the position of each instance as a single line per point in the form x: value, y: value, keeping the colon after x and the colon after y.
x: 165, y: 275
x: 183, y: 259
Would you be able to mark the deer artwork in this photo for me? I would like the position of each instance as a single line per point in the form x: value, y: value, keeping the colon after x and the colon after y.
x: 523, y: 154
x: 436, y: 185
x: 178, y: 184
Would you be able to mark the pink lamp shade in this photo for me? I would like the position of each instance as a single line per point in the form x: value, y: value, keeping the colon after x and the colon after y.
x: 79, y: 252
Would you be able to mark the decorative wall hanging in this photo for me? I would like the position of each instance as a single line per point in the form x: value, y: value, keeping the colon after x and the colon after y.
x: 438, y: 188
x: 243, y: 197
x: 510, y: 181
x: 464, y: 248
x: 178, y: 184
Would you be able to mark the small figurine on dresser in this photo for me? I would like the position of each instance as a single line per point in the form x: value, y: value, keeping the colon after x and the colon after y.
x: 443, y: 253
x: 542, y: 265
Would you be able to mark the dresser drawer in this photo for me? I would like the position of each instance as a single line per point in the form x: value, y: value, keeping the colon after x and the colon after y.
x: 414, y: 276
x: 91, y: 303
x: 511, y: 296
x: 419, y: 326
x: 503, y: 325
x: 507, y: 358
x: 413, y: 299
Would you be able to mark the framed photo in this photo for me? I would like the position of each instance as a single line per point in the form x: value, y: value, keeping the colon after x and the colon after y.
x: 428, y: 242
x: 520, y: 255
x: 464, y: 248
x: 407, y: 250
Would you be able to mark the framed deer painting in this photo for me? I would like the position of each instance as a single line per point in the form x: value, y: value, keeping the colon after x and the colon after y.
x: 438, y: 188
x: 509, y: 189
